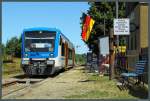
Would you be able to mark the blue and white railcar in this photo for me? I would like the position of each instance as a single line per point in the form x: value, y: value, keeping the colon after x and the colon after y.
x: 45, y: 51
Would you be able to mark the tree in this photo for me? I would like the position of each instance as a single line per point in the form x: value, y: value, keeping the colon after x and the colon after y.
x: 80, y: 58
x: 13, y: 47
x: 18, y: 48
x: 103, y: 12
x: 100, y: 11
x: 2, y: 46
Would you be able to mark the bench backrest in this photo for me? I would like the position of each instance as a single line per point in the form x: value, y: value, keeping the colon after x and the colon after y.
x: 139, y: 67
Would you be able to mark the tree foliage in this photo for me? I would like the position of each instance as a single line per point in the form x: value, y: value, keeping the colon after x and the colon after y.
x: 80, y: 59
x: 100, y: 11
x: 2, y: 46
x: 13, y: 47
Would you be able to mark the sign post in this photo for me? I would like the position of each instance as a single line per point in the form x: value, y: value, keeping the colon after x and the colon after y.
x: 121, y: 27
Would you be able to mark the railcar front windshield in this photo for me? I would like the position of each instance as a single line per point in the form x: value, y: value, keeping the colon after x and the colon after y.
x: 39, y: 41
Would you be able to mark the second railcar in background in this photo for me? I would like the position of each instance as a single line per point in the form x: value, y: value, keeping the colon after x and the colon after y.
x: 45, y: 51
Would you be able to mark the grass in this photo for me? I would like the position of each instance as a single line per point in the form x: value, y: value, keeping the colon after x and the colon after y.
x: 10, y: 69
x: 96, y: 87
x: 103, y: 88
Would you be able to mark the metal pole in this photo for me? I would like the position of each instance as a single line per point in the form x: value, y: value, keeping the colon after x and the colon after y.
x: 104, y: 21
x: 116, y: 8
x: 117, y: 18
x: 112, y: 56
x: 104, y: 24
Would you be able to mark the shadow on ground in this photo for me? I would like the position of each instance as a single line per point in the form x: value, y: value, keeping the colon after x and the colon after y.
x: 22, y: 76
x: 138, y: 91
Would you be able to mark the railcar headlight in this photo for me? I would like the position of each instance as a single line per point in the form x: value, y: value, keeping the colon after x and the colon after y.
x: 25, y: 62
x: 25, y: 59
x: 51, y: 54
x: 50, y: 62
x: 26, y: 55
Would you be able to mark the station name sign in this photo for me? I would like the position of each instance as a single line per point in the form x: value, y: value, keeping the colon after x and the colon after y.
x: 121, y: 27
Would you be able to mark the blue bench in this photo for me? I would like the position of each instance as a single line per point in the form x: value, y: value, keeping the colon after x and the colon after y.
x: 138, y: 74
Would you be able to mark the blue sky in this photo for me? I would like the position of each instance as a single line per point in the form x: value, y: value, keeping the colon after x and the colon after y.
x: 65, y: 16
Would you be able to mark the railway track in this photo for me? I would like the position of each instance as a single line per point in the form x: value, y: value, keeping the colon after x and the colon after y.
x: 19, y: 84
x: 9, y: 83
x: 13, y: 85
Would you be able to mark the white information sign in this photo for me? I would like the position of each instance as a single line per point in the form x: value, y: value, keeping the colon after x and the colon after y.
x: 121, y: 27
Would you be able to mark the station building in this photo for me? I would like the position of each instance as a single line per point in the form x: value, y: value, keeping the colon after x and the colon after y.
x: 137, y: 41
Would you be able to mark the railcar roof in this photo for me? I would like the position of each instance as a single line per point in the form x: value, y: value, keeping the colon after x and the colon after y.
x: 67, y: 40
x: 41, y: 28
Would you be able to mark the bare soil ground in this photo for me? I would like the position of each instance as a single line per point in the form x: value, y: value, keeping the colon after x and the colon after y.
x: 65, y: 84
x: 74, y: 83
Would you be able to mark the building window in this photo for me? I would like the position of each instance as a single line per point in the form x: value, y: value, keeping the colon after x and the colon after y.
x: 131, y: 43
x: 128, y: 42
x: 135, y: 42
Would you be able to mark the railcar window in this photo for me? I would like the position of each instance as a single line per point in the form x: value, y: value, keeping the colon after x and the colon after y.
x: 63, y: 49
x: 60, y: 41
x: 70, y: 54
x: 39, y: 41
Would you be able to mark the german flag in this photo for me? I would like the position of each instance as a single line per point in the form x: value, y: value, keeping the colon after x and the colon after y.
x: 87, y: 27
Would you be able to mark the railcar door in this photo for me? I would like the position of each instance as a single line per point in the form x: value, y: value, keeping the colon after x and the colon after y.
x: 73, y: 57
x: 66, y: 55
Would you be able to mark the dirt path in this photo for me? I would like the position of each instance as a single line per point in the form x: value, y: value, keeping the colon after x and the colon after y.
x: 65, y: 84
